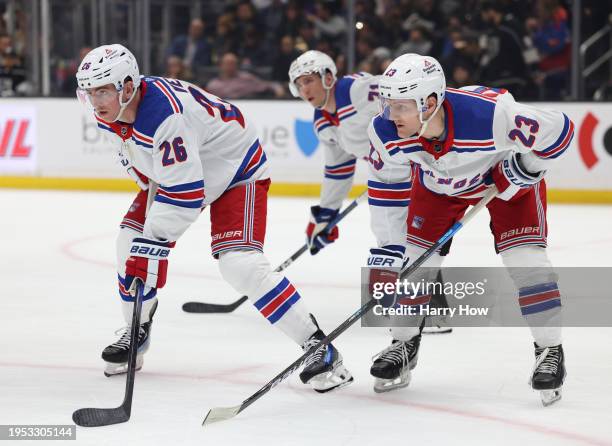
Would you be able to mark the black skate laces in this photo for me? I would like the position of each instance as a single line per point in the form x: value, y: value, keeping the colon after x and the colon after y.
x: 396, y: 353
x: 547, y: 360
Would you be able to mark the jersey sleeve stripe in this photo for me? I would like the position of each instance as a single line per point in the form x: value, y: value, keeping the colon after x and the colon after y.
x: 562, y: 142
x: 184, y: 187
x: 253, y: 160
x: 389, y: 195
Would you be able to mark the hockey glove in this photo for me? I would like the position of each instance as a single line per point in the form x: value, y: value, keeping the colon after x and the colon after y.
x: 385, y: 265
x: 511, y: 178
x: 148, y: 261
x: 316, y: 237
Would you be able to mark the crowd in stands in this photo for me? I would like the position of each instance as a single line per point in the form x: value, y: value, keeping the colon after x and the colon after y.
x: 243, y: 48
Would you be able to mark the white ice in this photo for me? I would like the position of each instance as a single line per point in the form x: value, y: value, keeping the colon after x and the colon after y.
x: 59, y: 307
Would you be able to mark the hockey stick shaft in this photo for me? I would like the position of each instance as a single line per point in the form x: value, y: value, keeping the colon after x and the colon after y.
x: 219, y: 414
x: 203, y: 307
x: 93, y: 417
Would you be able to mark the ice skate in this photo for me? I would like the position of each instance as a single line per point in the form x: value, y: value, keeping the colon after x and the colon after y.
x: 392, y: 366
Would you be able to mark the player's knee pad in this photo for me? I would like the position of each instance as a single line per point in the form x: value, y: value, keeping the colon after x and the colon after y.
x: 244, y: 270
x: 528, y: 266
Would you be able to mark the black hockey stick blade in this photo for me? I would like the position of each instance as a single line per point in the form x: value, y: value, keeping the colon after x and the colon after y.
x: 203, y: 307
x: 94, y: 417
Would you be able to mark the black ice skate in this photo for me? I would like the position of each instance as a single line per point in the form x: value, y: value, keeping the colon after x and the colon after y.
x: 392, y: 366
x: 548, y: 373
x: 324, y: 370
x: 116, y: 355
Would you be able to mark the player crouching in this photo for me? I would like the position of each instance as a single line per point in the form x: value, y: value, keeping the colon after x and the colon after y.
x: 202, y: 152
x: 458, y: 143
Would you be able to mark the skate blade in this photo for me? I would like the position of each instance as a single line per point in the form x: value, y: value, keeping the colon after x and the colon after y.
x: 437, y: 330
x: 382, y: 385
x: 113, y: 369
x: 550, y: 396
x: 336, y: 378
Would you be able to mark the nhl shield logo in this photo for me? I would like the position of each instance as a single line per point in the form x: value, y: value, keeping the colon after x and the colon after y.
x: 305, y: 136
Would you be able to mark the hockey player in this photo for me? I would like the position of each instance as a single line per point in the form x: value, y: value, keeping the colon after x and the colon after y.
x: 460, y: 143
x: 343, y: 109
x: 200, y: 151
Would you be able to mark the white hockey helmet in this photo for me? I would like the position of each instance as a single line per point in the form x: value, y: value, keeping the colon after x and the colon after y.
x: 312, y: 61
x: 108, y: 64
x: 412, y: 77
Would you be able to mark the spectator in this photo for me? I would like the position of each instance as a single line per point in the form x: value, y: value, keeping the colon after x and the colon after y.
x: 418, y: 43
x: 225, y: 37
x: 465, y: 54
x: 292, y: 21
x: 327, y: 24
x: 235, y: 84
x: 502, y: 62
x: 283, y: 59
x: 193, y: 48
x: 176, y: 69
x: 246, y: 19
x: 550, y: 35
x: 306, y: 39
x: 252, y: 52
x: 12, y: 70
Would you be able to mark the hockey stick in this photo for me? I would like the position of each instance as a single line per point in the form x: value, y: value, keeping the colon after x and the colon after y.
x: 225, y: 413
x: 93, y: 417
x: 203, y: 307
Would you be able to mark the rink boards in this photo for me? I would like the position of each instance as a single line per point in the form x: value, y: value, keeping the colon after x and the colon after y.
x: 54, y: 143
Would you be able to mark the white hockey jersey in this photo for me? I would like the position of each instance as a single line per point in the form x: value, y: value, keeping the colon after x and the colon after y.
x: 194, y: 145
x: 482, y: 126
x: 343, y: 134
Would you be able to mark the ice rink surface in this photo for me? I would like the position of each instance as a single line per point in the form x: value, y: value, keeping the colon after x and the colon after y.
x: 59, y: 307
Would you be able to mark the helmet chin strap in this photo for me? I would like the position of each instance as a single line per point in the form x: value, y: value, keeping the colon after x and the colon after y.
x: 426, y: 122
x: 327, y: 94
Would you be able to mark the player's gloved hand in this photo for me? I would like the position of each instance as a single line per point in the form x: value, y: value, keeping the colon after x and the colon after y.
x: 510, y: 177
x: 385, y: 264
x: 148, y: 262
x: 316, y: 237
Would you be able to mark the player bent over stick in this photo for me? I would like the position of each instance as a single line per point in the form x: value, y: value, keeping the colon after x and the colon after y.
x: 201, y: 151
x: 461, y: 143
x: 343, y: 110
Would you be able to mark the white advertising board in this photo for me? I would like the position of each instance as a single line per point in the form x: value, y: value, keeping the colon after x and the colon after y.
x: 65, y: 142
